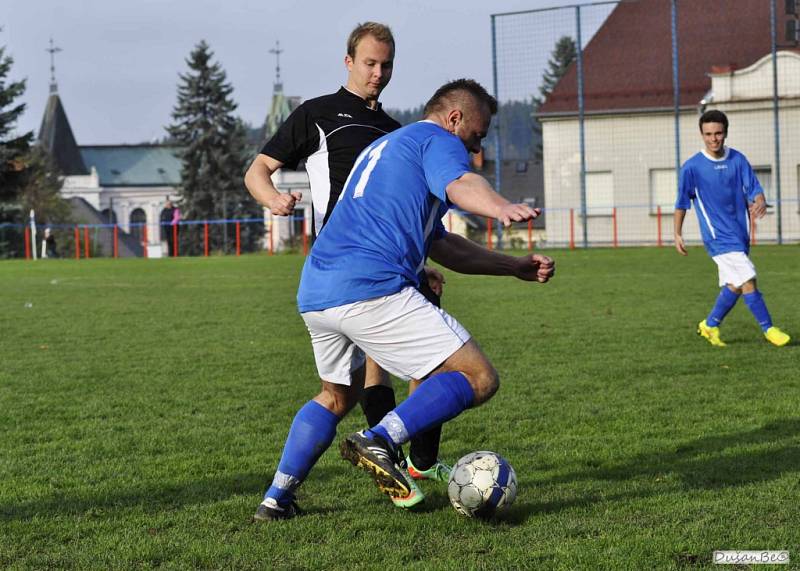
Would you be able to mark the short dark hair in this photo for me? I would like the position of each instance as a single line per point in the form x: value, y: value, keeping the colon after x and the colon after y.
x: 457, y: 89
x: 380, y: 32
x: 714, y: 116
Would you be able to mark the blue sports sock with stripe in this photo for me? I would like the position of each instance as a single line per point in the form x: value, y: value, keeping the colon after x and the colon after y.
x: 437, y: 400
x: 755, y: 303
x: 312, y: 432
x: 725, y: 302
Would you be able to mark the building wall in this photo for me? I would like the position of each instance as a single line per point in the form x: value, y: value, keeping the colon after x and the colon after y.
x: 631, y: 146
x: 280, y: 230
x: 628, y: 147
x: 746, y: 98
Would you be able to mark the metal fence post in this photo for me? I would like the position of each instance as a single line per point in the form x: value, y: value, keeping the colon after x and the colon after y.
x: 582, y: 137
x: 777, y: 128
x: 498, y: 155
x: 676, y: 91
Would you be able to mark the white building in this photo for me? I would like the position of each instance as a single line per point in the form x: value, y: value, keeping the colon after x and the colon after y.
x: 110, y: 184
x: 725, y: 63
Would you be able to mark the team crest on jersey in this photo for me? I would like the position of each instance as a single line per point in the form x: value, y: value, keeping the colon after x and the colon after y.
x: 345, y: 115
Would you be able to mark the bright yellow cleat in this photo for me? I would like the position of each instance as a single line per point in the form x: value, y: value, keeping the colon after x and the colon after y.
x: 710, y: 333
x: 776, y: 337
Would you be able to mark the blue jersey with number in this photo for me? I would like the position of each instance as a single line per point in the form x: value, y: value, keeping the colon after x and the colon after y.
x: 721, y: 190
x: 376, y: 240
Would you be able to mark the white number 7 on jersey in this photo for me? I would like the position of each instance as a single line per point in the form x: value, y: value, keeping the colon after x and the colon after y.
x: 373, y: 155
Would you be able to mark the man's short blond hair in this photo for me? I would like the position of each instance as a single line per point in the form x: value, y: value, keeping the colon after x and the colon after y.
x: 380, y: 32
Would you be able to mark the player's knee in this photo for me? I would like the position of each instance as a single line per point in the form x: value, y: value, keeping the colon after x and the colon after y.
x: 338, y: 399
x: 485, y: 383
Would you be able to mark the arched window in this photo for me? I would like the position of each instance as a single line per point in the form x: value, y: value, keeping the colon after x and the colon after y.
x: 138, y: 218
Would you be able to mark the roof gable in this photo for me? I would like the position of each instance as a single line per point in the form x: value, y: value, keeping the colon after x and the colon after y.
x: 755, y: 82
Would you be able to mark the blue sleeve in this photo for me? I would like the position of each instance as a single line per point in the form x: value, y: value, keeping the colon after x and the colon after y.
x: 444, y: 159
x: 752, y: 187
x: 685, y: 188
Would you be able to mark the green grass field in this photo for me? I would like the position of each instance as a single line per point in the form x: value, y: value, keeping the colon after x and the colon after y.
x: 144, y: 404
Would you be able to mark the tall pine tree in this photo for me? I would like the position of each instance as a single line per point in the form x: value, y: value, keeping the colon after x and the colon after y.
x: 563, y: 54
x: 214, y: 154
x: 13, y: 148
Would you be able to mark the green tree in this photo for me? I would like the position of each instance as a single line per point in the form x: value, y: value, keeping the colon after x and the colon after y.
x: 214, y: 155
x: 40, y: 188
x: 562, y: 56
x: 406, y: 116
x: 13, y: 148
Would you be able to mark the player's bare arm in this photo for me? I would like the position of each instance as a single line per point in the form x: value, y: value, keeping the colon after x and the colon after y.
x: 461, y: 255
x: 258, y: 180
x: 474, y: 194
x: 758, y: 208
x: 680, y: 214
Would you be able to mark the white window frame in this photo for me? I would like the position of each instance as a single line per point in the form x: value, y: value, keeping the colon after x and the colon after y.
x: 663, y: 190
x: 599, y: 193
x: 769, y: 189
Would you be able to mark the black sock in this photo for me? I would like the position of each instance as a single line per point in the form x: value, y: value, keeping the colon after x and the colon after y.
x: 376, y: 402
x: 425, y: 448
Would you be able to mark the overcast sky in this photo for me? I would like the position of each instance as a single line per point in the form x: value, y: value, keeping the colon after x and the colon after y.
x: 118, y: 71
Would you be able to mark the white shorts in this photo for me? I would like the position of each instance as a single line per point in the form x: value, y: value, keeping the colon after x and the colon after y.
x: 404, y: 333
x: 735, y: 268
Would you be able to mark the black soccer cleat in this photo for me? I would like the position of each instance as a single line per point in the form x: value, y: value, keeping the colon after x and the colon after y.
x: 380, y: 459
x: 270, y: 510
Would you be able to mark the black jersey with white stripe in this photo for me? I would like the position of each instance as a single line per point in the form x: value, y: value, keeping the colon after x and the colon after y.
x: 329, y: 132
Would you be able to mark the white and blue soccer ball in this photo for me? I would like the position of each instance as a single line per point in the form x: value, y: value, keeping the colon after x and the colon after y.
x: 482, y: 485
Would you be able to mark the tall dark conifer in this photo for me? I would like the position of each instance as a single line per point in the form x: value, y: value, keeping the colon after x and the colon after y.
x: 13, y: 148
x: 562, y: 56
x: 214, y: 155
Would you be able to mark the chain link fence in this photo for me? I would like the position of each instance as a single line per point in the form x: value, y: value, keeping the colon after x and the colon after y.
x: 610, y: 123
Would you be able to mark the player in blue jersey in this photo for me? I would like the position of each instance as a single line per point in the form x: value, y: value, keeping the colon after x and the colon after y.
x: 329, y: 133
x: 358, y: 292
x: 722, y: 185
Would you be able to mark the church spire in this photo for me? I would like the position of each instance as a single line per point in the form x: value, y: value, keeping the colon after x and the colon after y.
x: 278, y: 86
x: 53, y: 50
x: 55, y: 133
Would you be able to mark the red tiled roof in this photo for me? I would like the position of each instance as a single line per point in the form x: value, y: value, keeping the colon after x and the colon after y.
x: 628, y: 63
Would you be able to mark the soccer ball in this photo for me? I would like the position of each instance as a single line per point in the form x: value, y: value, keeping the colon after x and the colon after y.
x: 482, y: 484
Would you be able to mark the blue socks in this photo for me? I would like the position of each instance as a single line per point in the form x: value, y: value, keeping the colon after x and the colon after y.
x: 755, y: 303
x: 725, y: 302
x: 312, y: 432
x: 437, y: 400
x: 727, y: 299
